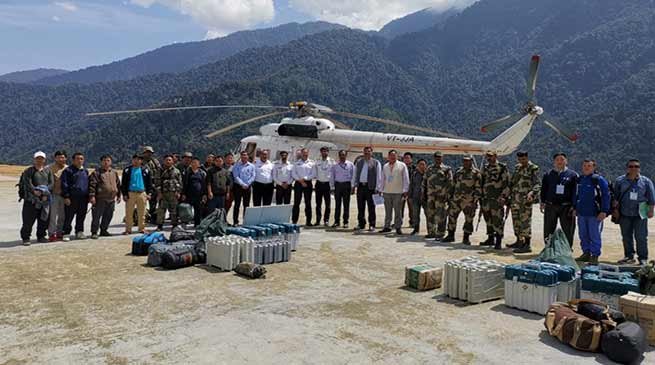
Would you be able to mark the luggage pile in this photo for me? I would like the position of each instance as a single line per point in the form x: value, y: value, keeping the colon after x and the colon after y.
x: 607, y: 283
x: 473, y: 279
x: 141, y: 243
x: 588, y: 325
x: 423, y: 277
x: 229, y: 251
x: 640, y: 308
x: 534, y: 286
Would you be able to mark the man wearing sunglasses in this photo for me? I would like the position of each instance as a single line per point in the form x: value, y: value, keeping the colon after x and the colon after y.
x: 635, y: 196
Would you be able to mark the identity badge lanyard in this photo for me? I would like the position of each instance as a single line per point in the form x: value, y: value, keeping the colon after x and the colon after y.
x: 634, y: 190
x: 559, y: 189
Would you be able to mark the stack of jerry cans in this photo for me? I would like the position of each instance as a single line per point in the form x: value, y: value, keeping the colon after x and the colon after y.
x: 225, y: 252
x: 473, y: 279
x: 530, y: 287
x: 607, y: 283
x: 292, y: 234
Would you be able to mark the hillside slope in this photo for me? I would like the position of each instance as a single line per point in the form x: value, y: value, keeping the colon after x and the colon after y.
x: 597, y: 75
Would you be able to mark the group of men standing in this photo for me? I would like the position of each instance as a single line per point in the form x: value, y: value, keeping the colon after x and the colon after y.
x: 56, y: 194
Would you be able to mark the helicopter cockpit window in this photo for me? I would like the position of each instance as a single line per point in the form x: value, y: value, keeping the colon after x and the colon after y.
x: 250, y: 149
x: 295, y: 130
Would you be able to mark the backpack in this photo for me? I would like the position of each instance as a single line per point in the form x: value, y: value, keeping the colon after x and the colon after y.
x: 185, y: 212
x: 625, y: 344
x: 213, y: 225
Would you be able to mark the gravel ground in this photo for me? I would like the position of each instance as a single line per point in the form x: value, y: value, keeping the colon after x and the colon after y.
x: 340, y: 300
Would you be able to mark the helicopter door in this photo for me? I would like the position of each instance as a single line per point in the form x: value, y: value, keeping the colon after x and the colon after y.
x: 251, y: 147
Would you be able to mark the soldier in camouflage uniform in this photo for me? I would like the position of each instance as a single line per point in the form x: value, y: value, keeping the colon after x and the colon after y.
x: 495, y: 192
x: 151, y: 162
x: 466, y: 191
x: 525, y: 188
x: 437, y: 184
x: 168, y: 191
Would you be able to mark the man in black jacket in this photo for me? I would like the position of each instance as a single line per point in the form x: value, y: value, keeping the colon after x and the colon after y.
x: 558, y: 189
x: 136, y: 189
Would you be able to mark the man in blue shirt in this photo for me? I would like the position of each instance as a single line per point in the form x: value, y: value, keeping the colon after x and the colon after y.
x: 592, y: 204
x: 243, y: 176
x: 137, y: 189
x: 558, y: 196
x: 631, y: 191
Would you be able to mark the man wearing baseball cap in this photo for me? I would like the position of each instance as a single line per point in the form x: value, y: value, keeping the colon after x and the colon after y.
x: 35, y: 186
x: 153, y: 165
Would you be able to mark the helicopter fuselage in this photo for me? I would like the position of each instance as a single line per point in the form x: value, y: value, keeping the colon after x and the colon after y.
x: 294, y: 134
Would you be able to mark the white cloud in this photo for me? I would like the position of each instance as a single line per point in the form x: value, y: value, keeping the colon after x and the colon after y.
x: 370, y: 14
x: 67, y: 5
x: 56, y: 18
x: 219, y: 16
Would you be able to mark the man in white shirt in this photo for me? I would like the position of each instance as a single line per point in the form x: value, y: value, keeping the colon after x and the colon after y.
x: 341, y: 183
x: 303, y: 174
x: 395, y: 185
x: 323, y: 174
x: 262, y: 188
x: 282, y: 179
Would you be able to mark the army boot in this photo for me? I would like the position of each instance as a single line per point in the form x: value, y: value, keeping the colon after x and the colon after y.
x: 499, y: 242
x: 516, y: 244
x: 525, y: 247
x: 466, y: 239
x: 449, y: 238
x: 489, y: 241
x: 593, y: 260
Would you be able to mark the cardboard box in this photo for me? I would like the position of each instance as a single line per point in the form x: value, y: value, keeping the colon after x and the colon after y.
x: 641, y: 309
x: 423, y: 277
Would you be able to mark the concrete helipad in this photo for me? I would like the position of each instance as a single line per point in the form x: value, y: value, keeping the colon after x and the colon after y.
x: 340, y: 300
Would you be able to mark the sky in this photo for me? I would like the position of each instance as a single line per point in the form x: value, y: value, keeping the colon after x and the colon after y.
x: 73, y: 34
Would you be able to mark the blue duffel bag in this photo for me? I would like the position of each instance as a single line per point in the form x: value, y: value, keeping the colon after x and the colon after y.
x: 141, y: 243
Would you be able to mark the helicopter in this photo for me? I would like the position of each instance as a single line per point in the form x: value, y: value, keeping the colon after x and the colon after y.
x: 313, y: 126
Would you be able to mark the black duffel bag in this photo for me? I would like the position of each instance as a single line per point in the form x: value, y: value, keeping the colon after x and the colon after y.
x: 625, y: 344
x: 180, y: 234
x: 599, y: 311
x: 178, y: 258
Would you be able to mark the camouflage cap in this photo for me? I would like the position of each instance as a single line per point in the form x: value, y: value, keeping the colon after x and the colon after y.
x: 438, y: 154
x: 187, y: 154
x: 148, y: 149
x: 490, y: 153
x: 467, y: 157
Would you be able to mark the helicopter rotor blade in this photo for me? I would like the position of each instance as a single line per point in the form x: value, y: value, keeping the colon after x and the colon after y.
x: 532, y: 78
x: 394, y: 123
x: 572, y: 137
x: 500, y: 121
x: 243, y: 122
x: 181, y: 108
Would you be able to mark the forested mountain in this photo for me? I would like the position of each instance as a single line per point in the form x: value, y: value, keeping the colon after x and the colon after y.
x: 597, y: 75
x: 415, y: 22
x: 30, y: 75
x: 179, y: 57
